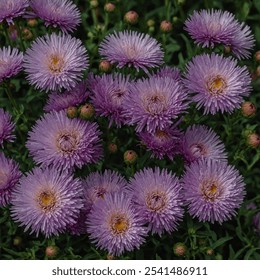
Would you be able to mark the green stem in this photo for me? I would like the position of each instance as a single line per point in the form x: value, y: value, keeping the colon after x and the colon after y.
x: 7, y: 36
x: 20, y: 36
x: 94, y: 16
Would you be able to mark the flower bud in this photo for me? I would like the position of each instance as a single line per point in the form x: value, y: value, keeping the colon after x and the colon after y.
x: 257, y: 56
x: 72, y: 112
x: 179, y: 249
x: 210, y: 252
x: 93, y: 4
x: 150, y: 22
x: 110, y: 257
x: 112, y: 148
x: 32, y: 22
x: 166, y: 26
x: 109, y: 7
x: 104, y: 66
x: 248, y: 109
x: 253, y: 140
x: 86, y: 111
x: 131, y: 17
x: 17, y: 241
x: 51, y: 251
x: 27, y: 34
x: 130, y: 157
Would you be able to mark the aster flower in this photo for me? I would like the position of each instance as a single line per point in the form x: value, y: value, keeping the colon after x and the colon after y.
x: 199, y: 142
x: 58, y: 13
x: 46, y: 201
x: 58, y: 141
x: 212, y: 190
x: 9, y: 176
x: 55, y: 61
x: 157, y: 199
x: 10, y: 62
x: 162, y: 142
x: 218, y: 83
x: 114, y: 226
x: 6, y: 127
x: 212, y: 27
x: 97, y: 185
x: 153, y: 103
x: 58, y: 101
x: 109, y: 93
x: 10, y: 9
x: 170, y: 72
x: 131, y: 48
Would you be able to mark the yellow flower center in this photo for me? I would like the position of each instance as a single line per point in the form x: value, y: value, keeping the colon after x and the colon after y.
x: 156, y: 200
x: 119, y: 223
x: 55, y: 63
x: 216, y: 85
x: 46, y: 200
x: 210, y: 190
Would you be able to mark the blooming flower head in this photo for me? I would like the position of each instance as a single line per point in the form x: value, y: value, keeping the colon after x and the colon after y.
x: 162, y: 142
x: 10, y: 9
x: 9, y: 176
x: 170, y: 72
x: 46, y: 201
x: 212, y: 190
x: 131, y: 48
x: 61, y: 13
x: 6, y: 127
x: 153, y: 103
x: 55, y: 61
x: 97, y: 185
x: 64, y: 143
x: 157, y: 199
x: 210, y: 27
x: 199, y: 142
x: 108, y: 95
x: 218, y: 83
x: 114, y: 226
x: 10, y: 62
x: 58, y: 101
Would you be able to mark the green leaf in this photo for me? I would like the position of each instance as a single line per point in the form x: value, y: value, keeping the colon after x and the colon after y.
x: 257, y: 4
x: 221, y: 241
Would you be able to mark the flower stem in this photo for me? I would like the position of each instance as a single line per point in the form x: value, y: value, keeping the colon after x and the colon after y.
x: 7, y: 36
x: 19, y: 31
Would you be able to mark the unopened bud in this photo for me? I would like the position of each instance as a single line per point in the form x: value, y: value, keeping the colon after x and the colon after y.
x: 109, y: 7
x: 17, y: 241
x: 179, y: 249
x: 210, y: 252
x: 32, y: 22
x: 110, y: 257
x: 112, y: 148
x: 27, y: 34
x: 257, y: 56
x: 258, y: 71
x: 72, y: 112
x: 150, y: 22
x: 253, y: 140
x: 86, y: 111
x: 93, y: 4
x: 130, y: 157
x: 131, y: 17
x: 166, y: 26
x: 104, y: 66
x: 51, y: 251
x: 12, y: 32
x: 227, y: 49
x: 248, y: 109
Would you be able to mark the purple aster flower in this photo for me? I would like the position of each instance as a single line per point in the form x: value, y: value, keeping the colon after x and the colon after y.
x: 58, y: 101
x: 170, y: 72
x: 212, y: 190
x: 218, y: 83
x: 157, y: 199
x: 208, y: 28
x: 9, y: 176
x: 199, y: 142
x: 97, y: 185
x: 114, y: 226
x: 10, y: 9
x: 109, y: 92
x: 6, y: 127
x: 64, y: 143
x: 55, y: 61
x: 131, y: 48
x: 153, y: 103
x: 256, y: 222
x: 162, y: 142
x: 46, y: 201
x: 10, y: 62
x: 61, y: 13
